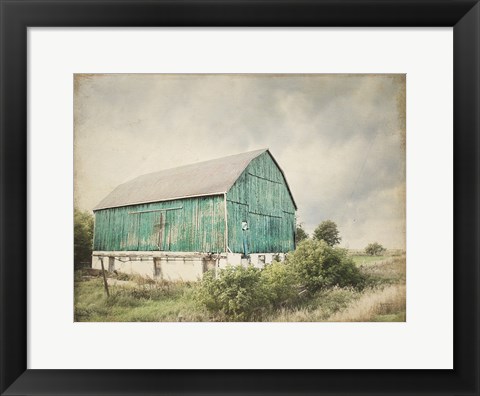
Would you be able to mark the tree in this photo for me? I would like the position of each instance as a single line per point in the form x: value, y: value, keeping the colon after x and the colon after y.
x: 300, y: 234
x: 374, y: 249
x: 327, y: 231
x: 82, y: 237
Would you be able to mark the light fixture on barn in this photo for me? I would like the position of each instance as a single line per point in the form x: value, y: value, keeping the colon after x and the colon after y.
x: 244, y: 231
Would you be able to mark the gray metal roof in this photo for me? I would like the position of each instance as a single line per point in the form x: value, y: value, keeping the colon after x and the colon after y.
x: 200, y: 179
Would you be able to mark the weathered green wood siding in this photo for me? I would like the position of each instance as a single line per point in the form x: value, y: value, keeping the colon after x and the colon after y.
x: 260, y: 196
x: 191, y: 225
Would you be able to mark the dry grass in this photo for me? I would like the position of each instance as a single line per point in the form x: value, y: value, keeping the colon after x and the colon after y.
x: 373, y: 305
x: 320, y: 308
x: 391, y: 271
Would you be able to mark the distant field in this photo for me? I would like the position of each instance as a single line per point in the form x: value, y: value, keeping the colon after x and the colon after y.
x: 369, y: 260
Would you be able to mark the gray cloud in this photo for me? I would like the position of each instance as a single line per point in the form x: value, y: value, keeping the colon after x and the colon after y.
x: 339, y: 138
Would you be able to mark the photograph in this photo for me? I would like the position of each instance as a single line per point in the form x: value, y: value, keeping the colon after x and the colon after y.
x: 239, y: 197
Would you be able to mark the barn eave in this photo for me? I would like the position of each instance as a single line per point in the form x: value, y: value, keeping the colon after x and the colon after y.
x: 160, y: 200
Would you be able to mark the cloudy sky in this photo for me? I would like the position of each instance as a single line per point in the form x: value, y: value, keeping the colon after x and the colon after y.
x: 340, y: 139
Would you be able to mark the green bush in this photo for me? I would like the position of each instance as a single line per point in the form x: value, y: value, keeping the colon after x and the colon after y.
x: 318, y: 266
x: 236, y: 294
x: 279, y: 283
x: 247, y: 293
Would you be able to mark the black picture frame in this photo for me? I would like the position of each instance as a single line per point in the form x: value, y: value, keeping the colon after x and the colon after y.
x: 18, y: 15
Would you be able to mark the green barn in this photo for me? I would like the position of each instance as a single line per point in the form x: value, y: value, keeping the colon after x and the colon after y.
x: 177, y: 223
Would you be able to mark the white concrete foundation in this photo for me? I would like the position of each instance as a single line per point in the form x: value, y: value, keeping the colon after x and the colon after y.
x: 258, y: 260
x: 176, y: 266
x: 187, y: 270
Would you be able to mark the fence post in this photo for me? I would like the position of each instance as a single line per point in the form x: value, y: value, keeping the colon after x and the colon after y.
x: 104, y: 277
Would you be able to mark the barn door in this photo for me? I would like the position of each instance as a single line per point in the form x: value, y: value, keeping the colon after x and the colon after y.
x: 162, y: 231
x: 159, y: 230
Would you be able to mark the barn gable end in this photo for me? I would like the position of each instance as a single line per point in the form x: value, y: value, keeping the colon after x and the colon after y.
x: 261, y: 197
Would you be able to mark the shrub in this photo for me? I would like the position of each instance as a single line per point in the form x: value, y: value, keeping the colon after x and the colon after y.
x: 279, y: 283
x: 245, y: 293
x: 237, y: 293
x: 318, y: 266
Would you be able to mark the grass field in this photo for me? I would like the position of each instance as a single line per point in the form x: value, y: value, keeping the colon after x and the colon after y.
x: 368, y: 260
x: 136, y: 299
